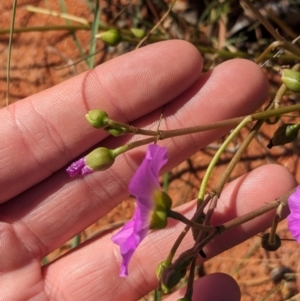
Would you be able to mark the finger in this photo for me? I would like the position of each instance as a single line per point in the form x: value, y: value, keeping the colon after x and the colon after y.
x: 46, y: 131
x: 216, y: 287
x: 59, y: 207
x: 92, y: 263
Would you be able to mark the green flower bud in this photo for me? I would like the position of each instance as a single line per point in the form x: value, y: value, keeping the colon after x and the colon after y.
x: 291, y: 79
x: 138, y: 33
x: 96, y: 118
x: 116, y: 132
x: 100, y: 158
x: 266, y: 244
x: 286, y: 133
x: 159, y: 216
x: 111, y: 37
x: 160, y: 268
x: 159, y: 220
x: 162, y: 199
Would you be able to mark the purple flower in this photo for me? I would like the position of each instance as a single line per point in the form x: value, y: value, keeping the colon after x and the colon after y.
x: 79, y: 167
x: 294, y: 217
x: 143, y: 186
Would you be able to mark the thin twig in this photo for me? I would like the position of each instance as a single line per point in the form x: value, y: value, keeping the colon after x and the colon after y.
x: 57, y: 14
x: 156, y: 25
x: 11, y: 32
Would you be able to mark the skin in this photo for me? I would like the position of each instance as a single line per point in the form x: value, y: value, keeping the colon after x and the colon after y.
x: 42, y: 207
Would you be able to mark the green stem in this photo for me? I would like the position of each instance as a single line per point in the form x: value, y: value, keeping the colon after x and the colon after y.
x: 157, y: 294
x: 11, y: 33
x: 268, y: 50
x: 47, y: 28
x: 221, y: 183
x: 75, y: 241
x: 216, y: 157
x: 130, y: 129
x: 237, y: 156
x: 94, y: 30
x: 53, y: 13
x: 126, y: 147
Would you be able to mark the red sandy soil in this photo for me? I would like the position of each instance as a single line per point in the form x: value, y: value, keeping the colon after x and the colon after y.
x: 34, y: 58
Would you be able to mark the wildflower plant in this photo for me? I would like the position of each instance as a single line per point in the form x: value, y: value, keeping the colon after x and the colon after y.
x: 153, y: 205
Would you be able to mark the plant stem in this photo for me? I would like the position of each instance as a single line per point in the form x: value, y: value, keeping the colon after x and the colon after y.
x: 263, y: 21
x: 216, y: 157
x: 186, y: 229
x: 189, y: 289
x: 281, y: 201
x: 126, y: 147
x: 11, y: 32
x: 163, y: 134
x: 285, y: 44
x: 182, y: 218
x: 219, y: 187
x: 275, y: 222
x: 65, y: 16
x: 224, y: 177
x: 226, y: 55
x: 156, y: 25
x: 270, y: 48
x: 243, y: 219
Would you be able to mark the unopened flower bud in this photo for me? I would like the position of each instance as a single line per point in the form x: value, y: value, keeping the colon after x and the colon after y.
x: 111, y: 37
x: 267, y: 245
x: 162, y: 203
x: 286, y: 133
x: 282, y: 273
x: 162, y: 199
x: 160, y: 268
x: 116, y: 132
x: 291, y: 79
x: 171, y: 275
x: 170, y: 278
x: 96, y: 118
x: 138, y: 33
x: 100, y: 158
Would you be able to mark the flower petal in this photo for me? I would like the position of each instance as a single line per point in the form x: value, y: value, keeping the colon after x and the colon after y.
x: 78, y: 167
x: 142, y: 185
x: 145, y: 180
x: 294, y: 217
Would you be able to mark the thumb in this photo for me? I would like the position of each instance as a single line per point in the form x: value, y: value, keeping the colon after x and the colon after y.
x: 217, y: 287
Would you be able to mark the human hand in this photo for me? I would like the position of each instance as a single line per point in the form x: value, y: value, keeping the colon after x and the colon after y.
x: 42, y: 207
